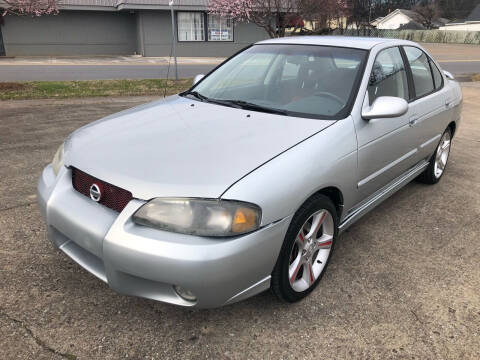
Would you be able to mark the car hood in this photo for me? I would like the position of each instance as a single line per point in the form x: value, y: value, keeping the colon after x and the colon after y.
x: 181, y: 147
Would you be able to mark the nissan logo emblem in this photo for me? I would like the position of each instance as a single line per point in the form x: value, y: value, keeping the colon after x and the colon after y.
x: 95, y: 192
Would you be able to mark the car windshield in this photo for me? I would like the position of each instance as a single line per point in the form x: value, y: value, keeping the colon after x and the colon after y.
x: 296, y: 80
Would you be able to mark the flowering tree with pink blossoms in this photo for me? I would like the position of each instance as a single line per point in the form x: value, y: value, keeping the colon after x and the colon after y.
x: 268, y: 14
x: 29, y: 7
x: 276, y: 15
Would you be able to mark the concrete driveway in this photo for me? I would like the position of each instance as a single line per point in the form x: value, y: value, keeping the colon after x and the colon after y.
x: 403, y: 282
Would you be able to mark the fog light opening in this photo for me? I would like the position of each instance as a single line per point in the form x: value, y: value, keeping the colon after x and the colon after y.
x: 185, y: 294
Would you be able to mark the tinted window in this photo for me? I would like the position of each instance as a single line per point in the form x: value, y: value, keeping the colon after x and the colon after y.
x: 437, y: 75
x: 388, y: 77
x: 422, y: 75
x: 301, y: 80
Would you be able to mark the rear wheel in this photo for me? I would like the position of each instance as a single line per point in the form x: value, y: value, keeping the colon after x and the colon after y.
x: 438, y: 162
x: 306, y: 250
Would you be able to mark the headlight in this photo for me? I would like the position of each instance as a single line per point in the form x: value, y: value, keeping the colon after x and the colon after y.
x: 200, y: 217
x: 57, y: 161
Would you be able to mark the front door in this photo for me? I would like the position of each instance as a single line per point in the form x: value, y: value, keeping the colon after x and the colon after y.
x: 386, y: 147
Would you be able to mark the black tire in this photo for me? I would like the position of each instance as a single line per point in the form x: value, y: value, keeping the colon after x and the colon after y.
x: 428, y: 176
x: 280, y: 284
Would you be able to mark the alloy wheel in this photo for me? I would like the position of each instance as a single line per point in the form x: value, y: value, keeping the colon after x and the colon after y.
x: 310, y: 251
x: 441, y: 156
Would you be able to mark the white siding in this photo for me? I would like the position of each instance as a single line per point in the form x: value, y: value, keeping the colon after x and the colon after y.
x: 474, y: 26
x: 394, y: 22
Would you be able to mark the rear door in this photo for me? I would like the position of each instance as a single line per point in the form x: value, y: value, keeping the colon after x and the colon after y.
x: 386, y: 147
x: 432, y: 104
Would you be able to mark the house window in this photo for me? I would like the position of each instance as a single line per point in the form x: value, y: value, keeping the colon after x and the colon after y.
x: 191, y: 26
x: 219, y: 29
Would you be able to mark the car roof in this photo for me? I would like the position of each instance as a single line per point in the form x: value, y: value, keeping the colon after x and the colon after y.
x: 365, y: 43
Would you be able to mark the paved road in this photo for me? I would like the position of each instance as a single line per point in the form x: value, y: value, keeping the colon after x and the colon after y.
x: 100, y: 72
x: 458, y: 59
x: 97, y: 72
x: 403, y: 282
x: 461, y: 67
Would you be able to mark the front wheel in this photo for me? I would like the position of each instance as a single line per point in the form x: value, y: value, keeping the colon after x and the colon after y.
x: 438, y: 162
x: 306, y: 250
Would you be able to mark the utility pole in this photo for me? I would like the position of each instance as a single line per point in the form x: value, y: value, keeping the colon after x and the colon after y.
x: 174, y: 38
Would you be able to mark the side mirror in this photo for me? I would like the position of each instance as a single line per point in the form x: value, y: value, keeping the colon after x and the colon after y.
x: 449, y: 75
x: 197, y: 78
x: 386, y: 107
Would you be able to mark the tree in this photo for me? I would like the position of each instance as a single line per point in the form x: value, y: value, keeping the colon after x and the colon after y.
x: 29, y: 7
x: 427, y: 14
x: 325, y: 14
x: 361, y: 13
x: 456, y: 9
x: 276, y: 15
x: 268, y: 14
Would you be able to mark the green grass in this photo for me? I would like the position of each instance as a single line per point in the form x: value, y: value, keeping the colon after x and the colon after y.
x: 89, y: 88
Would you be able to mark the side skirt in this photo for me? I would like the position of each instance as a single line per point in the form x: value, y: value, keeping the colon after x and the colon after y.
x: 380, y: 196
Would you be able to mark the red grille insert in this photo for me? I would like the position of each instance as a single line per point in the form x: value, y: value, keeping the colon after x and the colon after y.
x: 112, y: 196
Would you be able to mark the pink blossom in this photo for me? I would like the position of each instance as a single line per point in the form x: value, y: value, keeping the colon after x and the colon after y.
x: 31, y: 7
x: 275, y: 15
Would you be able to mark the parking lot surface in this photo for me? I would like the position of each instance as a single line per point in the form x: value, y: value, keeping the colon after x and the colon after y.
x: 404, y: 282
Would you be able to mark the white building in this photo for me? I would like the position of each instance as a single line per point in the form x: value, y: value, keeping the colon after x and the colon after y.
x: 375, y: 22
x: 397, y: 19
x: 404, y: 19
x: 471, y: 23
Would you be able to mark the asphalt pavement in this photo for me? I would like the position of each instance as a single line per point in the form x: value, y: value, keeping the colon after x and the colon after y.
x: 458, y: 68
x: 461, y: 60
x: 102, y: 72
x: 403, y: 282
x: 98, y: 72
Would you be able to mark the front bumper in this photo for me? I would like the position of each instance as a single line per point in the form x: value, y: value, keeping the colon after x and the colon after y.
x: 140, y: 261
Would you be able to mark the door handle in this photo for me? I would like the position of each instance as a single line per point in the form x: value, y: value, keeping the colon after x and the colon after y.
x: 413, y: 120
x: 448, y: 103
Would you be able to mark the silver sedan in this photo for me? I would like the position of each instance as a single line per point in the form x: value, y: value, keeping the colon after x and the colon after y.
x: 245, y: 181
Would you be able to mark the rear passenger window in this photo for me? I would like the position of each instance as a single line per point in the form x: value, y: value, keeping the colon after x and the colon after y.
x: 437, y: 75
x: 422, y: 75
x: 388, y: 77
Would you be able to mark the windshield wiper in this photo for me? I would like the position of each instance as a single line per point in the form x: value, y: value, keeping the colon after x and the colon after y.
x: 197, y: 95
x: 204, y: 98
x: 255, y: 107
x: 236, y: 103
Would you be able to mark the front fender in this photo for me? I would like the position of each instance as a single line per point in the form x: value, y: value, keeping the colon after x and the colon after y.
x: 281, y: 186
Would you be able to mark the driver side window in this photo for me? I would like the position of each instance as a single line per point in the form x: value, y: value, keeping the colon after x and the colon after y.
x: 388, y: 77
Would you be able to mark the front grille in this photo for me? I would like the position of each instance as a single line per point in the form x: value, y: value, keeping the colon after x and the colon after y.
x: 112, y: 197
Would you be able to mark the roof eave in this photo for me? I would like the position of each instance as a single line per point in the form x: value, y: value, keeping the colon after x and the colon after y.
x: 463, y: 23
x: 159, y: 7
x: 87, y: 8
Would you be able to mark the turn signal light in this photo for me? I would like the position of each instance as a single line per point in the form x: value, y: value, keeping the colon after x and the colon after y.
x: 245, y: 219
